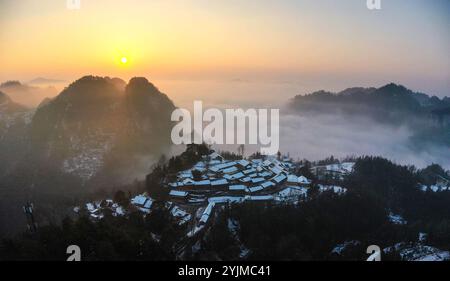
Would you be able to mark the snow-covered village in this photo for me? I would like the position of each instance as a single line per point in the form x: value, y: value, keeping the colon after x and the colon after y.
x: 214, y: 182
x: 195, y: 197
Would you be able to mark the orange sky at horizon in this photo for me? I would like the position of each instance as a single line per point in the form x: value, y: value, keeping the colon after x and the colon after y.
x: 198, y: 39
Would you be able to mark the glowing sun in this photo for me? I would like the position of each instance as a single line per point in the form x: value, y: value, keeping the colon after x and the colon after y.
x: 124, y: 60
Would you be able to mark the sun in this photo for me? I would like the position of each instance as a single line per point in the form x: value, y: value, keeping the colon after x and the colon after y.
x: 124, y: 60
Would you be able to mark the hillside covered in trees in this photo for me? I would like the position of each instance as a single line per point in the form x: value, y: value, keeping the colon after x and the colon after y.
x: 385, y: 204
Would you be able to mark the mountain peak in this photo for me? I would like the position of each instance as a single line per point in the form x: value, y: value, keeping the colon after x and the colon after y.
x: 11, y: 83
x: 393, y: 88
x: 93, y: 87
x: 356, y: 91
x: 143, y: 96
x: 140, y: 85
x: 43, y: 80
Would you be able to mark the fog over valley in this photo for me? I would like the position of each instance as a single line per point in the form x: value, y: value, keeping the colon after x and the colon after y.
x: 316, y: 135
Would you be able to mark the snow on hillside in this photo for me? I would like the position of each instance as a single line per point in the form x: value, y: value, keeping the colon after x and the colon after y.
x: 424, y: 253
x: 87, y: 155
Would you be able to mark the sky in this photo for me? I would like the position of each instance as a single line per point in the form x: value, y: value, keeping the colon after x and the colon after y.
x: 322, y: 44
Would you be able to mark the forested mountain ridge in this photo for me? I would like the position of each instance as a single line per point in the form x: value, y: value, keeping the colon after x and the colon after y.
x: 386, y: 103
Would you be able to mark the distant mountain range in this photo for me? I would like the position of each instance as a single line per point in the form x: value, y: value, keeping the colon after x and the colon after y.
x: 426, y: 118
x: 42, y: 80
x: 25, y: 94
x: 98, y: 128
x: 390, y: 103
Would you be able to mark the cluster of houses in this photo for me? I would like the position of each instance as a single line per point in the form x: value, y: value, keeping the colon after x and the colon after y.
x: 97, y: 209
x: 141, y: 202
x: 213, y: 181
x: 333, y: 171
x: 217, y: 180
x: 441, y: 184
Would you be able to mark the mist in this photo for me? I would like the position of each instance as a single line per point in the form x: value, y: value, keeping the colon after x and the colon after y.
x: 319, y: 136
x: 312, y: 136
x: 29, y: 95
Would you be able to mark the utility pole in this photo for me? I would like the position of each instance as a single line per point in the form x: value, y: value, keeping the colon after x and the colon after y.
x: 31, y: 223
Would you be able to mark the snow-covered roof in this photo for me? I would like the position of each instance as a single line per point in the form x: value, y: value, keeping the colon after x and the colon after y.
x: 176, y: 184
x: 265, y: 174
x: 222, y: 166
x: 424, y: 253
x: 185, y: 174
x: 237, y: 176
x: 90, y: 207
x: 178, y: 193
x: 279, y: 178
x: 334, y: 188
x: 202, y: 183
x: 396, y: 219
x: 267, y: 184
x: 346, y: 167
x: 226, y: 199
x: 246, y: 179
x: 207, y: 212
x: 256, y: 180
x: 219, y: 182
x: 148, y: 204
x: 276, y: 170
x: 339, y: 248
x: 249, y: 171
x: 292, y: 179
x: 178, y: 212
x: 291, y: 191
x: 303, y: 180
x: 214, y: 162
x: 230, y: 170
x: 144, y: 210
x: 237, y: 187
x: 255, y: 188
x: 139, y: 199
x: 196, y: 200
x: 243, y: 163
x: 188, y: 181
x: 120, y: 211
x: 259, y: 197
x: 199, y: 164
